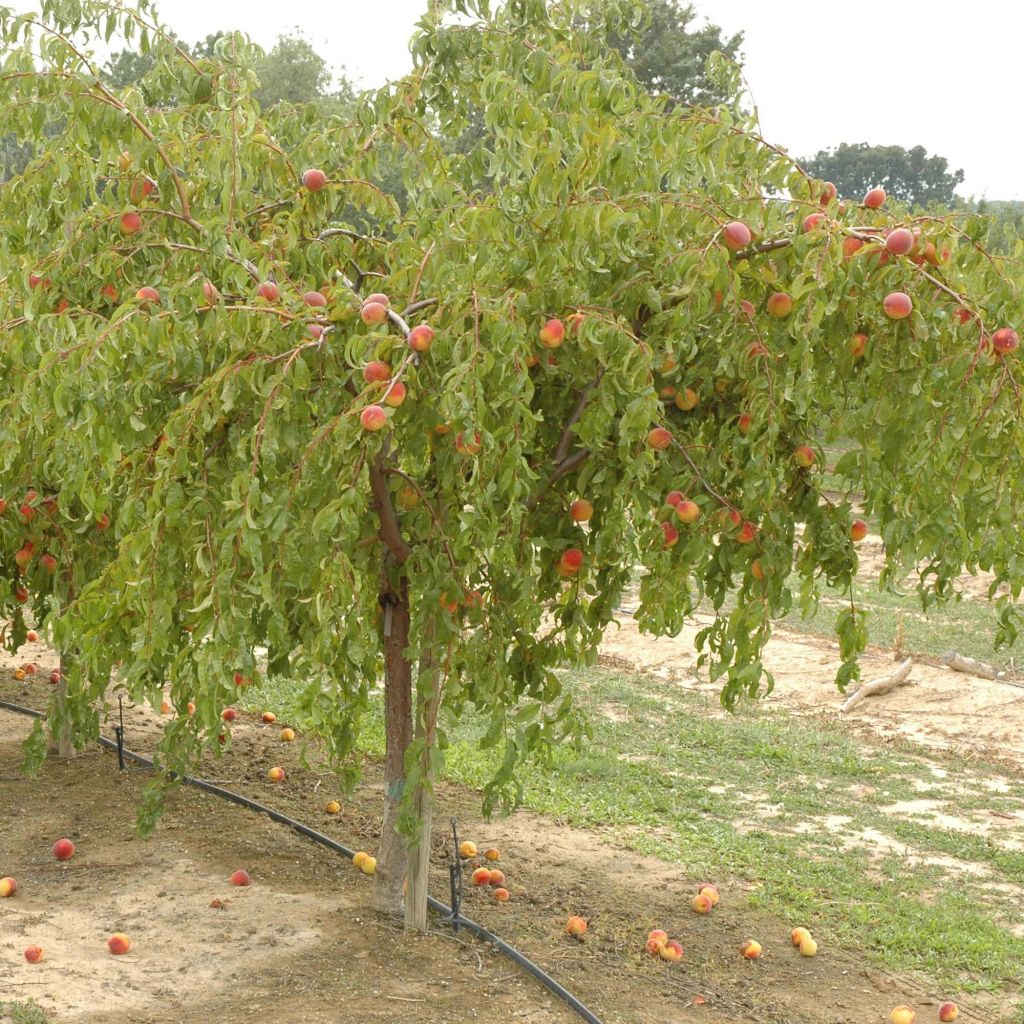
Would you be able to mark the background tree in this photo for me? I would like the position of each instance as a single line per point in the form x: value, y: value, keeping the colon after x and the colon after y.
x: 907, y: 175
x: 614, y: 363
x: 669, y: 54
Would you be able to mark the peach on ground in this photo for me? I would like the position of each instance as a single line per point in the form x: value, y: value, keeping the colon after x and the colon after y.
x: 701, y: 904
x: 501, y: 895
x: 333, y: 807
x: 808, y: 947
x: 948, y: 1011
x: 8, y: 887
x: 276, y: 774
x: 659, y: 934
x: 902, y: 1014
x: 269, y: 717
x: 33, y: 954
x: 287, y: 735
x: 496, y: 876
x: 751, y: 949
x: 481, y: 877
x: 119, y: 943
x: 240, y: 877
x: 369, y: 866
x: 654, y: 946
x: 576, y: 926
x: 229, y: 714
x: 797, y: 935
x: 672, y: 951
x: 357, y: 860
x: 711, y: 891
x: 467, y: 849
x: 63, y: 849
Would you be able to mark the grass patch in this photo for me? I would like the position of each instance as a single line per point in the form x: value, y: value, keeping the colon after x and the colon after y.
x: 22, y: 1013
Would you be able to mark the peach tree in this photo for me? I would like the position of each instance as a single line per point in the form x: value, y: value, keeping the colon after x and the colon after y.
x: 419, y: 452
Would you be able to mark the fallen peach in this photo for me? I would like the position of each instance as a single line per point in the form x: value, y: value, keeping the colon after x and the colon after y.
x: 240, y: 877
x: 276, y: 775
x: 701, y: 904
x: 8, y: 887
x: 269, y: 717
x: 467, y: 849
x: 797, y: 935
x: 576, y: 926
x: 948, y: 1011
x: 333, y: 807
x: 751, y: 949
x: 481, y: 877
x: 229, y: 714
x: 287, y: 735
x: 63, y: 849
x: 709, y: 890
x: 671, y: 951
x: 808, y: 947
x: 654, y: 946
x: 902, y: 1014
x: 357, y: 860
x: 33, y: 954
x: 501, y: 895
x: 496, y: 876
x: 119, y: 943
x: 369, y: 866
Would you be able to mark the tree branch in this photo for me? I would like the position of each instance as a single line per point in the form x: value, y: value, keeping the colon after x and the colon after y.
x: 390, y: 531
x: 566, y: 466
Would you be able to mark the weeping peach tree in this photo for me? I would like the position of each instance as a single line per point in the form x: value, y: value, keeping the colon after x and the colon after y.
x: 332, y: 436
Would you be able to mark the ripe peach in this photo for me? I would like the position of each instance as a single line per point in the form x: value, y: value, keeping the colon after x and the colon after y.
x: 276, y: 775
x: 576, y: 926
x: 902, y: 1014
x: 756, y: 569
x: 191, y: 708
x: 948, y: 1011
x: 8, y: 887
x: 119, y: 944
x: 373, y: 418
x: 736, y: 235
x: 686, y: 399
x: 755, y: 350
x: 673, y: 498
x: 797, y: 935
x: 858, y: 345
x: 552, y: 334
x: 654, y: 945
x: 465, y: 446
x: 748, y: 307
x: 31, y: 636
x: 701, y: 904
x: 369, y: 866
x: 55, y: 676
x: 751, y: 949
x: 497, y: 876
x: 657, y: 933
x: 467, y: 849
x: 269, y: 717
x: 812, y: 220
x: 395, y: 395
x: 858, y: 530
x: 268, y: 290
x: 1005, y: 340
x: 897, y: 305
x: 850, y: 246
x: 420, y: 337
x: 376, y: 371
x: 63, y: 849
x: 33, y: 954
x: 711, y: 891
x: 165, y: 708
x: 874, y: 198
x: 358, y: 858
x: 581, y: 510
x: 20, y: 595
x: 747, y: 533
x: 780, y: 305
x: 147, y: 294
x: 332, y: 807
x: 808, y: 947
x: 102, y: 521
x: 373, y: 313
x: 287, y: 735
x: 804, y: 456
x: 481, y: 876
x: 828, y: 193
x: 659, y: 439
x: 131, y: 222
x: 240, y: 877
x: 501, y: 895
x: 667, y: 393
x: 140, y: 188
x: 687, y: 511
x: 314, y: 179
x: 571, y: 560
x: 668, y: 364
x: 19, y: 674
x: 317, y: 299
x: 229, y: 714
x: 671, y: 951
x: 900, y: 241
x: 744, y: 423
x: 670, y: 534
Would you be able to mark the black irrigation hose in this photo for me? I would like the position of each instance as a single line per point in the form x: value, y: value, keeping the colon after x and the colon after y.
x: 318, y: 837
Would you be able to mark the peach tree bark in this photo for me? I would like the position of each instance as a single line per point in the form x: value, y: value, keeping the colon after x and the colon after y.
x: 260, y: 405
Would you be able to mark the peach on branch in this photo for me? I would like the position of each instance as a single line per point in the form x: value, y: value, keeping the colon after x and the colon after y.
x: 828, y: 193
x: 736, y: 235
x: 102, y: 521
x: 376, y: 371
x: 229, y: 714
x: 373, y: 418
x: 858, y: 530
x: 552, y: 334
x: 8, y: 887
x: 119, y: 943
x: 858, y: 345
x: 407, y: 498
x: 875, y: 198
x: 744, y: 422
x: 581, y: 510
x: 130, y: 222
x: 575, y: 927
x: 897, y: 305
x: 20, y: 595
x: 673, y: 498
x: 210, y: 292
x: 314, y: 179
x: 147, y: 294
x: 1005, y: 340
x: 31, y: 636
x: 22, y: 557
x: 851, y: 245
x: 747, y: 533
x: 803, y: 456
x: 421, y: 337
x: 899, y: 241
x: 466, y: 446
x: 780, y: 305
x: 670, y: 534
x: 395, y: 395
x: 63, y: 849
x: 812, y: 221
x: 659, y: 439
x: 686, y: 399
x: 140, y: 188
x: 571, y: 560
x: 240, y: 877
x: 268, y: 290
x: 108, y: 291
x: 314, y: 299
x: 687, y: 511
x: 373, y: 313
x: 165, y: 707
x: 748, y: 308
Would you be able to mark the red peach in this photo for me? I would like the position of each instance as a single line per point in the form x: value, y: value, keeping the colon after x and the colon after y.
x: 131, y: 222
x: 858, y: 530
x: 497, y: 876
x: 756, y: 569
x: 654, y: 946
x: 581, y: 510
x: 464, y: 446
x: 747, y: 533
x: 269, y: 717
x: 147, y: 294
x: 899, y: 242
x: 744, y: 423
x: 501, y: 895
x: 858, y: 345
x: 552, y: 334
x: 376, y: 371
x: 659, y: 439
x: 229, y: 714
x: 481, y: 877
x: 240, y: 877
x: 811, y: 221
x: 672, y: 951
x: 673, y: 498
x: 828, y: 193
x: 31, y: 636
x: 268, y: 290
x: 48, y: 562
x: 571, y: 560
x: 373, y: 313
x: 33, y: 954
x: 8, y: 887
x: 420, y: 337
x: 804, y: 456
x: 948, y: 1011
x: 897, y: 305
x: 874, y: 198
x: 687, y: 511
x: 373, y: 417
x: 314, y: 179
x: 1005, y: 340
x: 780, y: 305
x: 140, y: 188
x: 850, y: 246
x: 736, y: 235
x: 108, y: 291
x: 314, y: 299
x: 395, y: 395
x: 575, y: 926
x: 63, y: 849
x: 119, y: 944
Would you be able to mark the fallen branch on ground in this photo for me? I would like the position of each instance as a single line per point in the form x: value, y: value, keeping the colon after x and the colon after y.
x: 881, y: 685
x: 961, y: 663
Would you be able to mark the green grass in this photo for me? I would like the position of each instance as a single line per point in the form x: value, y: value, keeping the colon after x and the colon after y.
x: 731, y: 796
x: 22, y: 1013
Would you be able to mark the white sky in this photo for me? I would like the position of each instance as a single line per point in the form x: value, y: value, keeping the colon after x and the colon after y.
x: 945, y: 74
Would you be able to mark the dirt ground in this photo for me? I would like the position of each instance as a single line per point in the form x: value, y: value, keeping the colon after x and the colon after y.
x: 303, y: 943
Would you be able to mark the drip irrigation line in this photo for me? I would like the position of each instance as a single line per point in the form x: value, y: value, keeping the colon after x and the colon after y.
x: 452, y: 917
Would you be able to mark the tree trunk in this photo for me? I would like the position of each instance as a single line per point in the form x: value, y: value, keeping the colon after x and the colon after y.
x: 60, y: 741
x: 428, y: 700
x: 392, y: 856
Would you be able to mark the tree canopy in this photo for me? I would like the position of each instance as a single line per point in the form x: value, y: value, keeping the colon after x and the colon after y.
x: 910, y: 176
x: 258, y: 420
